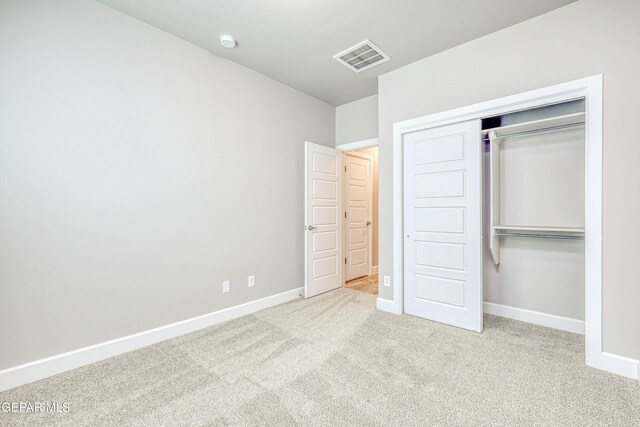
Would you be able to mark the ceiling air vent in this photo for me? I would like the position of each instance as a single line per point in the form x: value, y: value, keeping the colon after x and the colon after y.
x: 362, y: 56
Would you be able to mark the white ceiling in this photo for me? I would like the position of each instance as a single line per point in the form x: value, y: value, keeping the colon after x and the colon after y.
x: 293, y: 41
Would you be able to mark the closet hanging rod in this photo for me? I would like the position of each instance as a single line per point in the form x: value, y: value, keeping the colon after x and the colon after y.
x: 541, y: 130
x: 541, y: 236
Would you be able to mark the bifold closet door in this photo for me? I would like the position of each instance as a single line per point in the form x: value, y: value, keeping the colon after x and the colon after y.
x: 443, y: 223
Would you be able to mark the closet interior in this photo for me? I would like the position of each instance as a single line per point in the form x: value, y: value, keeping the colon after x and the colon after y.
x: 534, y: 210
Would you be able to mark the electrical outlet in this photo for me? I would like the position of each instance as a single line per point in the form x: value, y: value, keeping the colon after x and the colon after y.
x: 226, y: 286
x: 387, y: 281
x: 251, y: 281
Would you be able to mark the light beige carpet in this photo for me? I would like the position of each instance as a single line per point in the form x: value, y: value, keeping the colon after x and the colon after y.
x: 335, y: 360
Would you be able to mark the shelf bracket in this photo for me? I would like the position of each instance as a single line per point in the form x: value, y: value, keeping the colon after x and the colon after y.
x: 494, y: 202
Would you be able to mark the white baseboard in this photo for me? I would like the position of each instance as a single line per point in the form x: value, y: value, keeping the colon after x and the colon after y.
x: 616, y: 364
x: 374, y: 269
x: 537, y: 318
x: 43, y: 368
x: 387, y: 305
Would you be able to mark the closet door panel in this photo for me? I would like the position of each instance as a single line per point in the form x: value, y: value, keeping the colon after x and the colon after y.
x: 442, y: 220
x: 439, y: 220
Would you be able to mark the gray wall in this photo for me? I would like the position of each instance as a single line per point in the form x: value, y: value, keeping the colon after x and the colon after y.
x: 357, y: 120
x: 579, y: 40
x: 137, y: 172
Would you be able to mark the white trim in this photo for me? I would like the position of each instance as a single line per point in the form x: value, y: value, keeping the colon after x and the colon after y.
x: 537, y: 318
x: 589, y: 88
x: 594, y: 350
x: 358, y: 145
x: 374, y: 270
x: 618, y: 365
x: 386, y: 305
x: 43, y: 368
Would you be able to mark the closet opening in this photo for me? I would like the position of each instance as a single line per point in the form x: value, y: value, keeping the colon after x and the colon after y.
x: 534, y: 215
x: 443, y: 242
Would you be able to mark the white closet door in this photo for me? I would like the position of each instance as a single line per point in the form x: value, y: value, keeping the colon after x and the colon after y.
x: 442, y: 221
x: 323, y: 225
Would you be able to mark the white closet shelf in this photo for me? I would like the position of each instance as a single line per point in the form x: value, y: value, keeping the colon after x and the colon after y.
x: 539, y: 229
x: 551, y: 122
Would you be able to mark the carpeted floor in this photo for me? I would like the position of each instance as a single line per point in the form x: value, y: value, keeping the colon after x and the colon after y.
x: 335, y: 360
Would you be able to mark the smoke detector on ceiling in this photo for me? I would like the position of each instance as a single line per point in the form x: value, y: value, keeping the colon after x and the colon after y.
x: 362, y: 56
x: 228, y: 41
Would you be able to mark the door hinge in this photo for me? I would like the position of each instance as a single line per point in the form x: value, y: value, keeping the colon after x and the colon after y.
x: 345, y: 168
x: 345, y: 261
x: 345, y: 214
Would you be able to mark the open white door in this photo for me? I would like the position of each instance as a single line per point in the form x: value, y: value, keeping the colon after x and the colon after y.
x: 323, y: 226
x: 357, y: 214
x: 443, y: 224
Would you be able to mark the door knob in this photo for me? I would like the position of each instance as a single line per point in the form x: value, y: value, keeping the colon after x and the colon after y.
x: 368, y: 222
x: 311, y: 227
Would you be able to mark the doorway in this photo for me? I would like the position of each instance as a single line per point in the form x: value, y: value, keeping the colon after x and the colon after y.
x: 360, y: 218
x: 341, y: 217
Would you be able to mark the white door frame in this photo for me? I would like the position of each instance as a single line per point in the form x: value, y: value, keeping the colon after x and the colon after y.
x: 361, y: 145
x: 370, y: 213
x: 590, y: 89
x: 358, y: 145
